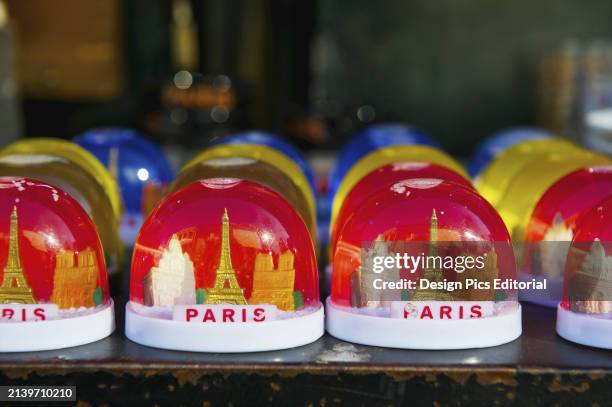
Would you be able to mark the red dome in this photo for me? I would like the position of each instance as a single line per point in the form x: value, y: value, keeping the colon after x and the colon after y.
x: 383, y: 178
x: 583, y: 316
x: 408, y: 216
x: 556, y: 215
x: 239, y: 226
x: 50, y: 252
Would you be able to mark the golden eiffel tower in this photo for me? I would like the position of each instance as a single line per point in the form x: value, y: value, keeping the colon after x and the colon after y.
x: 433, y: 274
x: 226, y: 289
x: 15, y: 288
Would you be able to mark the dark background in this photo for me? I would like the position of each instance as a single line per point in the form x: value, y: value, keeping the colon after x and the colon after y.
x: 457, y: 69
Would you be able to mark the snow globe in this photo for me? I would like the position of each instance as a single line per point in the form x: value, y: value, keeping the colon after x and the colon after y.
x: 424, y: 264
x: 584, y: 315
x: 53, y: 283
x: 552, y: 226
x: 224, y: 265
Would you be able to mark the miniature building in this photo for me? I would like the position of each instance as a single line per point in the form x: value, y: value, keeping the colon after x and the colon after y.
x: 74, y: 284
x: 226, y: 289
x: 172, y: 281
x: 272, y: 286
x: 15, y: 288
x: 553, y: 249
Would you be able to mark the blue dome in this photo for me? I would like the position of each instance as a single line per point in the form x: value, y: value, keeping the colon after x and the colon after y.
x: 498, y: 142
x: 138, y: 160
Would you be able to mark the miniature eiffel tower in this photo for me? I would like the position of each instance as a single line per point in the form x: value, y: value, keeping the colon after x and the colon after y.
x: 15, y: 288
x: 433, y: 274
x: 226, y: 289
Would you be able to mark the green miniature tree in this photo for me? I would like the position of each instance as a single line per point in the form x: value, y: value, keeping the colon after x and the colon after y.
x: 201, y: 296
x: 98, y: 296
x: 500, y: 295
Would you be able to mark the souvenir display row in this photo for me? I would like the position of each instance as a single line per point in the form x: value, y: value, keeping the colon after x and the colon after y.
x: 225, y: 253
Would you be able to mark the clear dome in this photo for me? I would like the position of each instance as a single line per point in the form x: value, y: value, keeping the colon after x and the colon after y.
x: 425, y: 264
x: 53, y: 283
x: 220, y: 246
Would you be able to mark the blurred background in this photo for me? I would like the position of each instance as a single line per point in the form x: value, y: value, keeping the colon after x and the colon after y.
x: 185, y: 71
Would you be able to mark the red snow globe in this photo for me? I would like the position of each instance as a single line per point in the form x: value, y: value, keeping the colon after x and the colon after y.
x: 382, y: 178
x: 224, y: 265
x: 53, y: 282
x: 584, y: 315
x: 424, y: 264
x: 552, y: 226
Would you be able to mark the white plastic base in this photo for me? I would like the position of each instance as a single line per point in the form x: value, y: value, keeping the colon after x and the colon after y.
x: 248, y: 337
x: 584, y: 329
x: 57, y: 333
x: 423, y: 334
